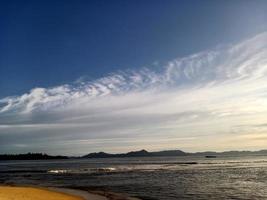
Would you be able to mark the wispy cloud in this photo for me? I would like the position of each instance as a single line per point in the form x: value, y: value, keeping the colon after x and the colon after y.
x: 207, y: 96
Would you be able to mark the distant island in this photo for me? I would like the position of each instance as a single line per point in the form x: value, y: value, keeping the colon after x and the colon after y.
x: 30, y: 156
x: 141, y: 153
x: 144, y: 153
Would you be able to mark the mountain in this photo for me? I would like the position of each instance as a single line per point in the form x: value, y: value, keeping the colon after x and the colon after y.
x: 141, y: 153
x: 144, y: 153
x: 99, y: 155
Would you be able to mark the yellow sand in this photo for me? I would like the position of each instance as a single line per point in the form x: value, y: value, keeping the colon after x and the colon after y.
x: 28, y: 193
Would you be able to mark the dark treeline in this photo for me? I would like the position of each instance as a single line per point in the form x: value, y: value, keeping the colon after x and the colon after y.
x: 30, y: 156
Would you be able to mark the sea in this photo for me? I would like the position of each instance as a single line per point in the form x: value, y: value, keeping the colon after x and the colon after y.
x: 149, y: 178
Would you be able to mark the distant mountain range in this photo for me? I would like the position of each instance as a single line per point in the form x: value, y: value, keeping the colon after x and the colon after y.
x: 141, y: 153
x: 144, y: 153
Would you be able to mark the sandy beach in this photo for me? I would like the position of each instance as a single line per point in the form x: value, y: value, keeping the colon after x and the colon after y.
x: 30, y: 193
x: 52, y: 193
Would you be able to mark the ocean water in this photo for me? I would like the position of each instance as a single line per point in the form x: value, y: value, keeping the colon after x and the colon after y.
x: 186, y: 177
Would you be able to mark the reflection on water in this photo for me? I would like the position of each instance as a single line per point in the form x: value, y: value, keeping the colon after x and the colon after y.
x: 151, y: 178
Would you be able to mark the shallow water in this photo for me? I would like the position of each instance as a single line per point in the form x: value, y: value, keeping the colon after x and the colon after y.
x: 185, y: 177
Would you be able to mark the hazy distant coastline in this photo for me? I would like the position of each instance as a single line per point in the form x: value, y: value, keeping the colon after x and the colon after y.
x: 141, y: 153
x: 30, y: 156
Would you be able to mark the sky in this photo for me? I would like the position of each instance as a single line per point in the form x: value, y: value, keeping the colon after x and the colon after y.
x: 85, y: 76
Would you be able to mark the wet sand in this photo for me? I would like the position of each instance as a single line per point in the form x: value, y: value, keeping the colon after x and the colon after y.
x: 94, y: 194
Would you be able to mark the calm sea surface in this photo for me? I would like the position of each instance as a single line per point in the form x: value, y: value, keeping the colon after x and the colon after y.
x: 149, y: 178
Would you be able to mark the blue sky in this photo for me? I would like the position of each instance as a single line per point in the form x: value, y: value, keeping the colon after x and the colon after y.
x: 82, y: 76
x: 47, y: 43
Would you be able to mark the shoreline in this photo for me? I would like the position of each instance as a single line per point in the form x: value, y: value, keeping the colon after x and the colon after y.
x: 101, y: 194
x: 80, y: 193
x: 16, y: 192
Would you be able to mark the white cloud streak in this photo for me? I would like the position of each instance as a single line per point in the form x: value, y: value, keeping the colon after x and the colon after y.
x: 212, y: 95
